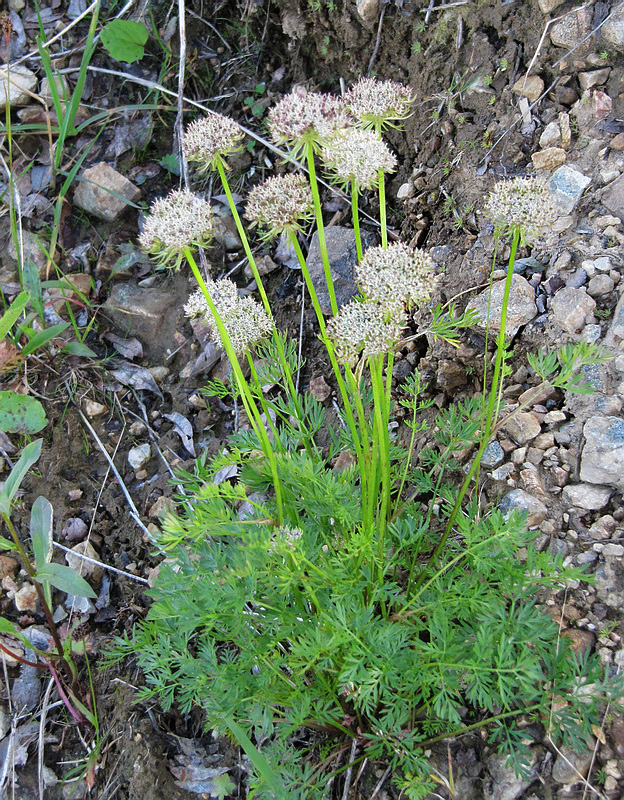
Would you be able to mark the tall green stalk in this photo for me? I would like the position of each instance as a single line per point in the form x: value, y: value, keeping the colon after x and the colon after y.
x: 318, y: 213
x: 253, y: 413
x: 490, y: 410
x: 294, y: 396
x: 355, y: 194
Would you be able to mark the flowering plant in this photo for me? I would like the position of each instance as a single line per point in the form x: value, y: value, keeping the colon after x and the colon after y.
x: 340, y: 584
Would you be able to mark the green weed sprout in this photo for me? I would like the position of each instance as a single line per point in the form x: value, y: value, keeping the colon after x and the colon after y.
x: 351, y: 588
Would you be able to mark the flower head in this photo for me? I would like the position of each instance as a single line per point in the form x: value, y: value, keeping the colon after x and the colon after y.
x: 302, y: 116
x: 364, y: 328
x: 396, y: 275
x: 244, y: 319
x: 522, y: 204
x: 357, y: 155
x: 282, y: 203
x: 211, y: 138
x: 176, y: 222
x: 379, y: 104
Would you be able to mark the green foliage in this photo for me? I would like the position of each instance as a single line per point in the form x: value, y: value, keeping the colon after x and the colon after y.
x: 309, y: 625
x: 21, y: 413
x: 125, y: 40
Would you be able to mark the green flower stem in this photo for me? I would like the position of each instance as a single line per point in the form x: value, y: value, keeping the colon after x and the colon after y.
x: 263, y: 402
x: 292, y: 237
x: 265, y: 300
x: 489, y: 414
x: 476, y: 725
x: 355, y: 194
x: 309, y: 151
x: 251, y: 408
x: 382, y: 198
x: 243, y: 235
x: 366, y: 471
x: 382, y: 209
x: 381, y: 423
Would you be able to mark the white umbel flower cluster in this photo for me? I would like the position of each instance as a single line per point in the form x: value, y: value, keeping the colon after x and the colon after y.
x: 304, y: 116
x: 176, y: 222
x: 396, y: 276
x: 362, y: 329
x: 380, y: 104
x: 244, y: 319
x: 356, y: 155
x: 522, y: 204
x: 282, y: 203
x: 211, y: 138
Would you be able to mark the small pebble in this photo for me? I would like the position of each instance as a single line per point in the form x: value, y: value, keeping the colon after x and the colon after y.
x: 139, y: 456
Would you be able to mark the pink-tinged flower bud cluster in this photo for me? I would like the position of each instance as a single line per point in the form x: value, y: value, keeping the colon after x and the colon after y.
x: 211, y: 138
x: 304, y: 116
x: 379, y: 104
x: 282, y: 203
x: 396, y: 276
x: 362, y: 329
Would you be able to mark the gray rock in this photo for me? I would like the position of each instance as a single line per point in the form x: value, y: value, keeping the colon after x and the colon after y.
x: 599, y: 285
x: 546, y: 6
x: 493, y: 455
x: 591, y: 333
x: 450, y: 375
x: 613, y: 29
x: 594, y: 77
x: 521, y: 308
x: 94, y: 193
x: 147, y: 313
x: 551, y: 135
x: 571, y: 307
x: 26, y: 689
x: 86, y: 568
x: 610, y: 584
x: 577, y: 279
x: 613, y: 196
x: 504, y: 784
x: 519, y: 500
x: 615, y: 334
x: 343, y: 259
x: 567, y: 186
x: 139, y: 456
x: 285, y: 253
x: 602, y: 460
x: 15, y: 91
x: 572, y: 29
x: 584, y: 495
x: 570, y: 766
x: 225, y: 233
x: 503, y: 472
x: 523, y: 427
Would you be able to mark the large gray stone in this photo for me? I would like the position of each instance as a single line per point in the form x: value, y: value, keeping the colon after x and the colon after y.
x: 504, y: 783
x: 521, y: 308
x: 613, y: 197
x: 519, y: 500
x: 570, y: 766
x: 572, y: 307
x: 567, y: 186
x: 147, y: 313
x: 104, y: 192
x: 572, y: 29
x: 613, y: 29
x: 587, y: 496
x: 343, y: 260
x: 602, y: 460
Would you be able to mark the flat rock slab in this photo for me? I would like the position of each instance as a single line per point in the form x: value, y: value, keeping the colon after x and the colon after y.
x: 572, y: 308
x: 613, y: 197
x: 602, y: 460
x: 343, y: 260
x: 567, y: 186
x: 14, y: 89
x: 149, y: 314
x: 104, y: 192
x: 521, y: 308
